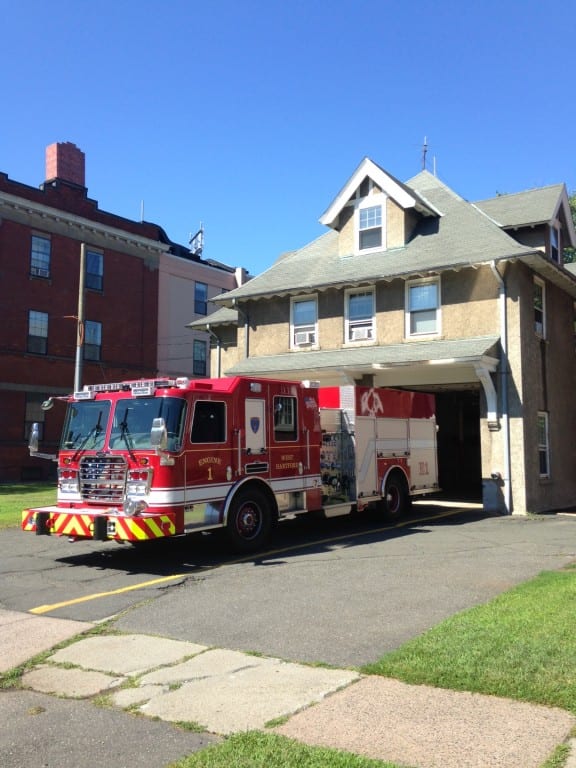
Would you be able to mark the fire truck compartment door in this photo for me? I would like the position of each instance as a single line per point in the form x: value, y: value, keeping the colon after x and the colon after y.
x: 423, y: 449
x: 255, y: 425
x: 366, y: 471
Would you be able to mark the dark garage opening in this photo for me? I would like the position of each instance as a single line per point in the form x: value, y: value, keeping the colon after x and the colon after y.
x: 459, y: 453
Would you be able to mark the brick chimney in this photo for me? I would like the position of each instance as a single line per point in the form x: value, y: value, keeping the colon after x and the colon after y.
x: 65, y: 161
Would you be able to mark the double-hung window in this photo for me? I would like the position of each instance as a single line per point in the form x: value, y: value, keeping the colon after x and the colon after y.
x: 304, y: 325
x: 92, y: 340
x: 199, y: 358
x: 359, y: 315
x: 543, y: 445
x: 37, y: 332
x: 34, y: 414
x: 200, y: 298
x: 94, y: 270
x: 423, y: 308
x: 555, y: 243
x: 40, y: 256
x: 539, y: 309
x: 370, y: 227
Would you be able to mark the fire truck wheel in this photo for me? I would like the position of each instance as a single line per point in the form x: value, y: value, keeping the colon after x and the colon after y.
x: 249, y: 520
x: 395, y: 497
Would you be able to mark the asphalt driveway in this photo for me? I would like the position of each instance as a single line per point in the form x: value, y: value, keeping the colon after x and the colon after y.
x: 348, y: 599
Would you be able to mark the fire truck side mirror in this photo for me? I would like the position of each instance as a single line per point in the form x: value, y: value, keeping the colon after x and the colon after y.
x: 33, y: 439
x: 159, y: 435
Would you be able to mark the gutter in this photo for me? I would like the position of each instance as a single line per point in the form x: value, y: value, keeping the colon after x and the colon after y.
x: 504, y: 369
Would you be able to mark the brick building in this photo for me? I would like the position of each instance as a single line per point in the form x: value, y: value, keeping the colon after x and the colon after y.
x: 131, y: 271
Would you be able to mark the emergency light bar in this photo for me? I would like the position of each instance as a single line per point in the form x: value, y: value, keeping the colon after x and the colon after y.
x: 144, y: 388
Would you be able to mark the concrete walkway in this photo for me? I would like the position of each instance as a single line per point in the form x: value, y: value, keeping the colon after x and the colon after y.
x: 223, y: 692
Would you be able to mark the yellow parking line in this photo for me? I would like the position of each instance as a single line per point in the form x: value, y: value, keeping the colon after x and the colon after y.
x: 259, y: 556
x: 96, y: 595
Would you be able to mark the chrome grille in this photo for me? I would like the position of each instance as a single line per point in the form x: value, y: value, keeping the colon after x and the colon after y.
x: 103, y: 478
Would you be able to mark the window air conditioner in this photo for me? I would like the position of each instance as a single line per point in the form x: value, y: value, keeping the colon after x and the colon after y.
x: 301, y: 338
x: 358, y: 334
x: 39, y: 272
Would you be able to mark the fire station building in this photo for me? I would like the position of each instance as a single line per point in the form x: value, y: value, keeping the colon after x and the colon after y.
x: 413, y: 286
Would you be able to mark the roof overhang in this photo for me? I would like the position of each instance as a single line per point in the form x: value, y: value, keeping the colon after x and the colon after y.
x: 549, y: 270
x: 77, y: 227
x: 221, y: 317
x: 454, y: 364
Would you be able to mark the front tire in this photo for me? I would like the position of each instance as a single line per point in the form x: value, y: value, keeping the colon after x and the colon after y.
x: 250, y: 520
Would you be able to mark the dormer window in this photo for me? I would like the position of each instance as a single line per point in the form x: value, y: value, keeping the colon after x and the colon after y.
x: 370, y: 227
x: 555, y: 244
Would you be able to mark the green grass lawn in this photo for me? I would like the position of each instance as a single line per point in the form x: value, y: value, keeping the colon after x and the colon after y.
x: 15, y: 497
x: 521, y: 645
x: 267, y: 750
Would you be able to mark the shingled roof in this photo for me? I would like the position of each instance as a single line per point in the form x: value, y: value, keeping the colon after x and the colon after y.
x: 461, y: 236
x: 535, y: 206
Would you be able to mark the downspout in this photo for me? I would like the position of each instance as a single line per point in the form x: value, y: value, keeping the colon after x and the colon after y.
x: 218, y: 351
x: 504, y: 368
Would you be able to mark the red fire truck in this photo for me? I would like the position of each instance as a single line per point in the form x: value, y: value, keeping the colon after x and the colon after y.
x: 143, y: 460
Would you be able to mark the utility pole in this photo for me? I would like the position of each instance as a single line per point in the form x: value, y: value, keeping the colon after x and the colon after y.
x: 80, y: 319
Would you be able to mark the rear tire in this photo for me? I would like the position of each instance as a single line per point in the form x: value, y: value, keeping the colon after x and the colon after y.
x: 396, y: 497
x: 250, y: 521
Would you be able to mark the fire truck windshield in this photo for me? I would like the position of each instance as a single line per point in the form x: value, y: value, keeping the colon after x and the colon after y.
x: 85, y: 425
x: 133, y: 422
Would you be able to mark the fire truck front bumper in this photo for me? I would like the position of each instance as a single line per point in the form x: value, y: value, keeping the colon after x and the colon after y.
x: 100, y: 525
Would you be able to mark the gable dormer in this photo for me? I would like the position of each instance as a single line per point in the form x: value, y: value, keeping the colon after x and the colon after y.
x: 539, y: 218
x: 374, y: 212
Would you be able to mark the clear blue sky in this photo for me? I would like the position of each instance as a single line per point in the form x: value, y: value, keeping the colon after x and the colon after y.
x: 250, y: 115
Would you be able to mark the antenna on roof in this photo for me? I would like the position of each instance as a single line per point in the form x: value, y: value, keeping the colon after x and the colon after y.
x: 424, y: 152
x: 196, y: 242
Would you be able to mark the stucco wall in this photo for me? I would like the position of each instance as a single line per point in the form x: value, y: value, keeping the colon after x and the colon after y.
x: 469, y: 308
x: 547, y: 368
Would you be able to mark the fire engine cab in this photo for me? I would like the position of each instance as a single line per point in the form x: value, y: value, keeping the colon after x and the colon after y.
x: 143, y: 460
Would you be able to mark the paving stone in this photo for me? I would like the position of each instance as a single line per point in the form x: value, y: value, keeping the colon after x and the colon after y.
x: 126, y: 654
x: 73, y: 683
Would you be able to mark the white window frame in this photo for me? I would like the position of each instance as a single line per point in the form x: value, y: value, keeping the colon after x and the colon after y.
x: 409, y: 313
x: 364, y: 329
x: 543, y: 435
x: 370, y: 201
x: 539, y: 327
x: 303, y: 335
